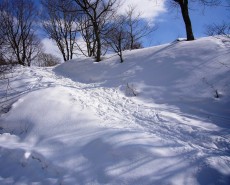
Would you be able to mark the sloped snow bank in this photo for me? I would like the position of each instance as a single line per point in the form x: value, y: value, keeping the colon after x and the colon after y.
x: 184, y: 74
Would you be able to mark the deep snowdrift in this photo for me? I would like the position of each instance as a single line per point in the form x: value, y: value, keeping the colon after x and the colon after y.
x: 81, y: 123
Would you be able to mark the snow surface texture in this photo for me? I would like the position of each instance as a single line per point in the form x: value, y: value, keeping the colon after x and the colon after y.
x: 153, y: 119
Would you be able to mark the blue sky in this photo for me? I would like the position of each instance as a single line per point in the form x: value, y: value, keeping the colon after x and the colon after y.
x: 171, y: 25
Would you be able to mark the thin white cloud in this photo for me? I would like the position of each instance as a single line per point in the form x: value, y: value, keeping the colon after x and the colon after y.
x: 149, y: 9
x: 50, y: 47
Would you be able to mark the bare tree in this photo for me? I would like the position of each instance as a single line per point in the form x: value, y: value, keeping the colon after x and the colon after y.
x: 18, y: 18
x: 184, y: 7
x: 2, y: 36
x: 137, y: 28
x: 98, y: 12
x: 2, y: 42
x: 88, y: 36
x: 59, y: 22
x: 117, y: 36
x: 218, y: 29
x: 5, y: 63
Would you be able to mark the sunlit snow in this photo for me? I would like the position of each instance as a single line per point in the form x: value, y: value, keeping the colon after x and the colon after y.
x: 154, y: 119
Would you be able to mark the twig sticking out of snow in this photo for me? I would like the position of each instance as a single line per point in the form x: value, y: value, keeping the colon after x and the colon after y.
x: 130, y: 90
x: 217, y: 94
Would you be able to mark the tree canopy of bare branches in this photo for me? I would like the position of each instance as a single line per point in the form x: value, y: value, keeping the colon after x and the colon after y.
x: 117, y: 36
x: 222, y: 29
x: 136, y: 27
x: 17, y: 24
x: 59, y: 22
x: 88, y: 36
x: 98, y: 13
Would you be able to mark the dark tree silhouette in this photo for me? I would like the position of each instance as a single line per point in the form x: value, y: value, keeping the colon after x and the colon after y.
x: 98, y: 12
x: 88, y: 36
x: 60, y: 23
x: 184, y: 7
x: 117, y: 36
x: 218, y: 29
x: 136, y: 27
x: 17, y: 24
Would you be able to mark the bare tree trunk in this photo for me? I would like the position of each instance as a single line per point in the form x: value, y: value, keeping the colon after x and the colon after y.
x: 185, y: 12
x: 98, y: 40
x: 120, y: 39
x: 121, y: 58
x: 186, y: 18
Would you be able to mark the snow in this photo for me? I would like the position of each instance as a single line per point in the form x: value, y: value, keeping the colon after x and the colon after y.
x: 153, y: 119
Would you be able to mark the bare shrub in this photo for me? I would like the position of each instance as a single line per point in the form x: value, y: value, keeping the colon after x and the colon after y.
x: 217, y: 30
x: 47, y: 60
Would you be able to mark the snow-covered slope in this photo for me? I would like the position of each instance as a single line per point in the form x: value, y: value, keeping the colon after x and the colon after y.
x: 185, y: 74
x: 153, y: 119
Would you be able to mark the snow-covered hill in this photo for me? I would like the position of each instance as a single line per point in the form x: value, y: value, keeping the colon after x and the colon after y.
x: 154, y: 119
